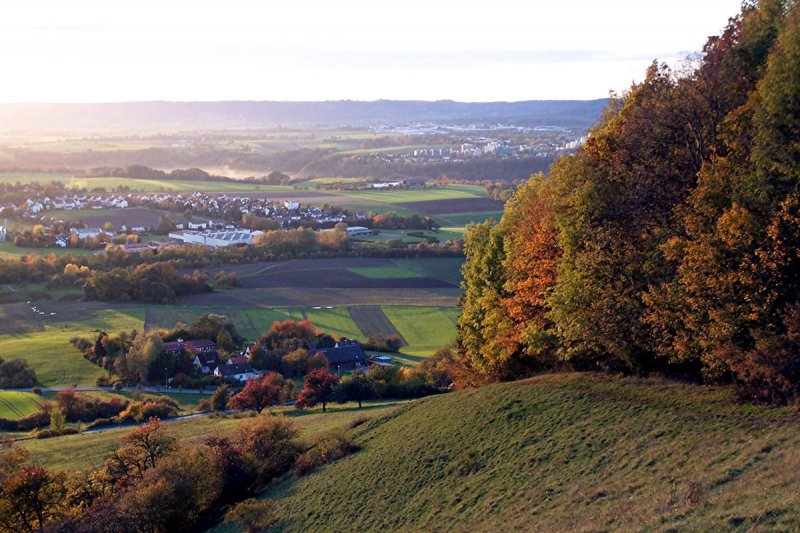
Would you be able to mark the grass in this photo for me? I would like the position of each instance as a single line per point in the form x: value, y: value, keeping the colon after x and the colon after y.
x: 54, y: 359
x: 249, y: 322
x: 385, y: 272
x: 460, y: 220
x: 336, y: 321
x: 561, y: 453
x: 89, y: 450
x: 425, y: 329
x: 416, y: 195
x: 8, y: 250
x: 32, y: 177
x: 173, y: 185
x: 15, y: 404
x: 447, y: 269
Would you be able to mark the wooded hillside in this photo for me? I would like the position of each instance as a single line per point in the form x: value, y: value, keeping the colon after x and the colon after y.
x: 670, y: 241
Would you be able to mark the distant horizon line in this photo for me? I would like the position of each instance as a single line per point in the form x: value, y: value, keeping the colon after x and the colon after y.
x: 341, y: 100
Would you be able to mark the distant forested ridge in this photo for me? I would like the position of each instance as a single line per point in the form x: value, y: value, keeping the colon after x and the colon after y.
x: 670, y: 241
x: 159, y: 116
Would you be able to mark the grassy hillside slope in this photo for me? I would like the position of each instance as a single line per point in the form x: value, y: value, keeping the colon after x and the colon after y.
x: 564, y: 452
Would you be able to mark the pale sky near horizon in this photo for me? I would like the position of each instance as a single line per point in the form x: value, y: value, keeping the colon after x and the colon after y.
x: 104, y: 51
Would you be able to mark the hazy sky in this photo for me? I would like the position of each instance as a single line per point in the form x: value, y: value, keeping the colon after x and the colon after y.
x: 106, y: 51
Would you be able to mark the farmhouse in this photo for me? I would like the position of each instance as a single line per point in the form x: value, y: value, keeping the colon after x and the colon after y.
x: 237, y: 372
x: 238, y: 360
x: 196, y: 346
x: 346, y: 355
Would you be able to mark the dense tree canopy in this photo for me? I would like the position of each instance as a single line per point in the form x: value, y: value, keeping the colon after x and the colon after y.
x: 669, y: 241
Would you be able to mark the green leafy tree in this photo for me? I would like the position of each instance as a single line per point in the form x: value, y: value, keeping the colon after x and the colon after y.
x: 354, y: 388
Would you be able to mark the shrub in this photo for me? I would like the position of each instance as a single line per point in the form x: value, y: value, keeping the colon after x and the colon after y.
x: 269, y: 445
x: 50, y: 433
x: 15, y: 374
x: 104, y: 422
x: 252, y: 515
x: 38, y: 419
x: 161, y: 407
x: 328, y: 448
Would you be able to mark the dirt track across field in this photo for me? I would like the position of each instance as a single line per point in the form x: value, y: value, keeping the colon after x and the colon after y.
x: 372, y: 321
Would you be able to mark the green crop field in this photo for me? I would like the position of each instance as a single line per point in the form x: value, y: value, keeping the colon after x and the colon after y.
x: 33, y: 177
x: 425, y: 329
x: 89, y: 450
x: 8, y: 250
x: 447, y: 269
x: 15, y: 404
x: 50, y: 353
x: 385, y: 272
x: 417, y: 195
x: 173, y: 185
x: 249, y: 322
x: 561, y: 453
x: 336, y: 321
x: 460, y: 220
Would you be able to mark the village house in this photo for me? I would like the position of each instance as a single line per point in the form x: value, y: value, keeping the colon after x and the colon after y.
x: 346, y: 355
x: 207, y: 361
x: 238, y: 372
x: 205, y: 353
x: 238, y: 360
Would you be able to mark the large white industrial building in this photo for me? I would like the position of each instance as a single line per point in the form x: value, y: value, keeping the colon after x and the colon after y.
x: 215, y: 239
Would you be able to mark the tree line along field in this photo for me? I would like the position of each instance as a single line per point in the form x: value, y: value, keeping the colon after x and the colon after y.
x: 90, y: 449
x: 42, y: 336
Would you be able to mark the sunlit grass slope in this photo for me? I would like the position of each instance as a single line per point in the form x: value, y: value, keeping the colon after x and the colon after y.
x: 562, y: 453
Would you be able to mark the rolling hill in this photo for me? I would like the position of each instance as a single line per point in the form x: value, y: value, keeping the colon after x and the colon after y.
x: 561, y: 452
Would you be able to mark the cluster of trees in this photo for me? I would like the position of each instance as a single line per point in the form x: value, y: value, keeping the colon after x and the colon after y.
x: 150, y: 283
x: 670, y: 241
x: 391, y: 220
x: 139, y: 356
x: 16, y: 374
x: 502, y: 191
x: 78, y: 407
x: 383, y: 343
x: 150, y: 483
x: 285, y: 348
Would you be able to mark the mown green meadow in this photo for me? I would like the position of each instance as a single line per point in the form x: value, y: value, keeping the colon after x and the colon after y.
x: 16, y: 404
x: 50, y: 354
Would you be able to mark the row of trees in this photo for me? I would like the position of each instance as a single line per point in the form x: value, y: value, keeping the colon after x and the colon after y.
x: 149, y: 283
x: 321, y: 386
x: 299, y: 243
x: 670, y: 241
